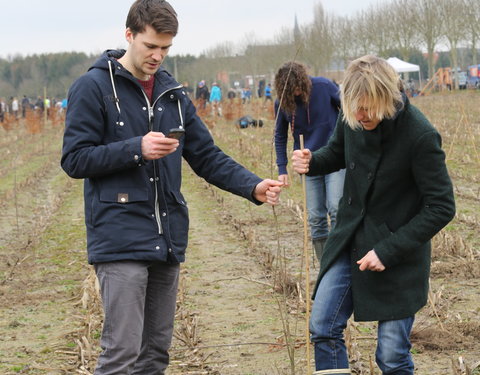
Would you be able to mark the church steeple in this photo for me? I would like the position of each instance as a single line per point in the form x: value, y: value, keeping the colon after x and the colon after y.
x: 297, y: 35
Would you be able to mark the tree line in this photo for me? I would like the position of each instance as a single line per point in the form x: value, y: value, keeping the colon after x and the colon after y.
x: 30, y: 75
x: 412, y: 30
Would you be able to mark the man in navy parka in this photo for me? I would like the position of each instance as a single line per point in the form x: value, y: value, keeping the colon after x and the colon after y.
x: 119, y: 115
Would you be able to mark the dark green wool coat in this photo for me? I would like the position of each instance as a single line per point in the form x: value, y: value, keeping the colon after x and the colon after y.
x: 397, y: 196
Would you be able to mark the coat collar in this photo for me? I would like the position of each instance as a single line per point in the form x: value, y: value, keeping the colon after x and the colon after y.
x: 387, y: 126
x: 163, y: 79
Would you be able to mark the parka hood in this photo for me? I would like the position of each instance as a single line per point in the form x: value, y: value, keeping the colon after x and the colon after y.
x: 163, y: 77
x: 109, y: 61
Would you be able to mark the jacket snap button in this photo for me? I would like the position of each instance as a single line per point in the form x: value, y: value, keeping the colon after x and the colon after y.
x: 144, y: 108
x: 160, y: 109
x: 157, y: 248
x: 172, y: 97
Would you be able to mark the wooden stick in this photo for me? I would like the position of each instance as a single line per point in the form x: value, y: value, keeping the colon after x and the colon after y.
x: 307, y: 264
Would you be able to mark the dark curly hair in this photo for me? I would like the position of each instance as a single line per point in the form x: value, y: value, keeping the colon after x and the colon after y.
x: 291, y: 76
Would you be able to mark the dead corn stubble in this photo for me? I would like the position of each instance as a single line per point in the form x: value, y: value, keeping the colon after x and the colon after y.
x: 446, y: 332
x: 456, y: 255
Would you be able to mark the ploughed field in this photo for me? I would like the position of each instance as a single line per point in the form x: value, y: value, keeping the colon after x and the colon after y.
x: 242, y: 298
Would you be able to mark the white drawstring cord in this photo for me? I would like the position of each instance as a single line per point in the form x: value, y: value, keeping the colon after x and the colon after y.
x: 113, y: 86
x: 180, y: 113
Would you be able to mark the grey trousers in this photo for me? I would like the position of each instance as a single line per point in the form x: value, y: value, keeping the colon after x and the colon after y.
x: 139, y: 301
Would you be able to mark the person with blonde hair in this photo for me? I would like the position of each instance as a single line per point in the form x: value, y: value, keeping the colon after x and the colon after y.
x: 397, y: 196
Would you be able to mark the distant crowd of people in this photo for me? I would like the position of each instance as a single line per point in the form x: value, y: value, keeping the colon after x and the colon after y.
x: 19, y: 108
x: 203, y: 95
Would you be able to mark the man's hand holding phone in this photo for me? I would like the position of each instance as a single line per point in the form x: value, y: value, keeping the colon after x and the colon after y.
x: 176, y: 133
x: 155, y: 145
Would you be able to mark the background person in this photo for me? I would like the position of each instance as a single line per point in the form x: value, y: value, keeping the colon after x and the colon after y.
x: 118, y: 116
x: 25, y: 106
x: 268, y: 92
x: 15, y: 107
x: 397, y: 196
x: 202, y: 94
x: 215, y: 99
x: 309, y: 106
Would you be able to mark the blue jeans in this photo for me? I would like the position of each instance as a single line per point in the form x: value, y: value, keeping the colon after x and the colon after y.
x: 331, y: 310
x: 323, y: 195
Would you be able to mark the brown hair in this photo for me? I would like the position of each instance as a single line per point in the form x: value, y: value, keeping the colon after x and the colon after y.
x: 291, y: 76
x: 158, y: 14
x: 370, y: 82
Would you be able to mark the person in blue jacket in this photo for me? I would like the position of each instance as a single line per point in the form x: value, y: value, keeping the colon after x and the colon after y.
x: 309, y: 106
x: 268, y: 92
x: 215, y: 99
x: 118, y: 138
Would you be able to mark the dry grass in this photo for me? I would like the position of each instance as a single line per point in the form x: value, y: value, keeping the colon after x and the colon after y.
x: 455, y: 250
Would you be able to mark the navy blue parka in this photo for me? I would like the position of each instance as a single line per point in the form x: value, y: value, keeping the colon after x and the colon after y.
x: 315, y: 121
x: 134, y: 209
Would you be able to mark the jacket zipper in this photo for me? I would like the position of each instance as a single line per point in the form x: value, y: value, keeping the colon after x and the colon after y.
x: 155, y: 173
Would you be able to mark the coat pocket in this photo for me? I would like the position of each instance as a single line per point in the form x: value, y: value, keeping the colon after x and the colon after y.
x: 120, y: 204
x: 124, y: 195
x: 371, y: 234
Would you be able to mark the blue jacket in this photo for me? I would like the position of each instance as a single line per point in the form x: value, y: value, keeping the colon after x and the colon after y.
x: 316, y: 122
x: 215, y: 94
x: 134, y: 208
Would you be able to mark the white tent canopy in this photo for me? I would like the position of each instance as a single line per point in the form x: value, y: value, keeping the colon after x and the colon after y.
x: 402, y: 66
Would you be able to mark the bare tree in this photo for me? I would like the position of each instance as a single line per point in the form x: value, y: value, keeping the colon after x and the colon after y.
x: 343, y: 39
x: 428, y: 22
x: 454, y: 29
x: 402, y: 27
x: 472, y: 8
x: 378, y: 27
x: 319, y: 41
x: 223, y: 49
x: 361, y: 33
x: 251, y: 56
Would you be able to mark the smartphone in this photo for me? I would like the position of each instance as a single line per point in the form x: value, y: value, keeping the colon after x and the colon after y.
x: 176, y: 133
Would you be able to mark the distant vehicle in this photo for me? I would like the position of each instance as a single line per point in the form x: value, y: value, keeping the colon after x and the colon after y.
x: 462, y: 80
x: 473, y: 80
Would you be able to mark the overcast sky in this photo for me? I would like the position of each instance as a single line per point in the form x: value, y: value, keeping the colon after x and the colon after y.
x: 91, y: 26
